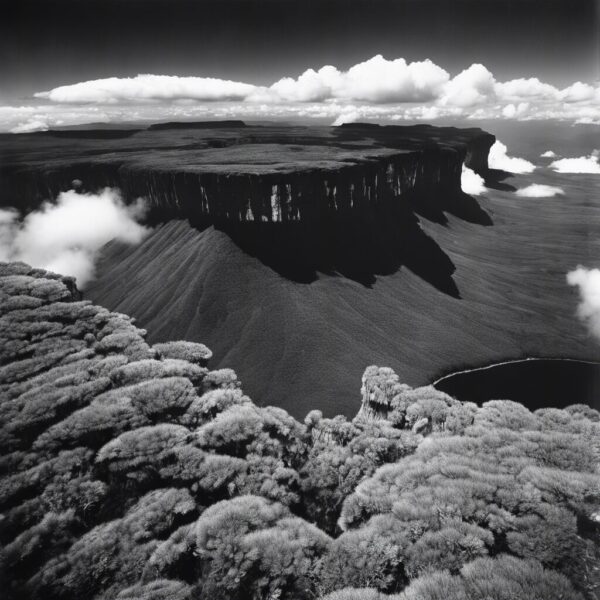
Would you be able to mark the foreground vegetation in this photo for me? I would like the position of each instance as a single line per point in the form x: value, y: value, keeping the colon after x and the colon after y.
x: 133, y: 472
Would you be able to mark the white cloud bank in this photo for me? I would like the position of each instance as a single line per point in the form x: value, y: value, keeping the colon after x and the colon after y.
x: 499, y: 159
x: 148, y: 87
x: 588, y: 282
x: 582, y: 164
x: 471, y: 183
x: 66, y: 235
x: 538, y: 190
x: 548, y: 154
x: 377, y: 88
x: 375, y: 80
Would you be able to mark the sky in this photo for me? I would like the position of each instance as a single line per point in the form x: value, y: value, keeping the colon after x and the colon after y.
x: 256, y: 51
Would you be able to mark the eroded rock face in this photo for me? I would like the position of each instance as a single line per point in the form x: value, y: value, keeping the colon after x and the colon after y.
x: 422, y: 410
x: 379, y: 387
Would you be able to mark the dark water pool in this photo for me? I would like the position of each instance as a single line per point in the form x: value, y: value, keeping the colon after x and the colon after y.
x: 536, y: 383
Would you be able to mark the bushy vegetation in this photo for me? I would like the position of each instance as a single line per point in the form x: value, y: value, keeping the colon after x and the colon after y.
x: 133, y: 472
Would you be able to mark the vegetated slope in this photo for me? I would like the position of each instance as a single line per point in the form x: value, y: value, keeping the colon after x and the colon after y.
x: 295, y: 345
x: 131, y: 471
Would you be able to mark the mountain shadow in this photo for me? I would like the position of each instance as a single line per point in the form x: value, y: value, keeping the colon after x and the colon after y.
x: 434, y: 207
x: 494, y: 179
x: 357, y: 245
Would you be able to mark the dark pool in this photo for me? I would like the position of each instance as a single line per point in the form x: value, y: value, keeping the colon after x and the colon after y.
x: 536, y: 383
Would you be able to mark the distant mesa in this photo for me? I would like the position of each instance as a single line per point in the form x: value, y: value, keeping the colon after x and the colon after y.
x: 197, y: 125
x: 91, y: 134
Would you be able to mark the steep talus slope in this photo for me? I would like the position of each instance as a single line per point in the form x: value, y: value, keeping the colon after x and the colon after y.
x: 131, y: 471
x: 298, y: 344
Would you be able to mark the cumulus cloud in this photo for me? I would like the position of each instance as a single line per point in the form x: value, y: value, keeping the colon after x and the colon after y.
x: 148, y: 87
x: 376, y: 80
x: 65, y: 235
x: 582, y: 164
x: 515, y: 111
x: 33, y: 124
x: 472, y: 86
x: 350, y: 116
x: 578, y: 92
x: 538, y: 190
x: 526, y: 89
x: 471, y: 183
x: 588, y: 282
x: 549, y: 154
x: 499, y: 159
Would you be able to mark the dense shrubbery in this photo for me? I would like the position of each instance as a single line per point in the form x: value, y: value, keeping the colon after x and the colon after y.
x: 133, y: 472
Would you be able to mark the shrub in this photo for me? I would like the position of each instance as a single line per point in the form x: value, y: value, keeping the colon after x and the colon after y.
x: 357, y: 594
x: 504, y: 578
x: 210, y: 404
x: 252, y: 548
x: 221, y: 378
x: 246, y: 429
x: 142, y: 370
x: 161, y: 589
x: 137, y: 454
x: 370, y: 556
x: 113, y: 555
x: 191, y: 352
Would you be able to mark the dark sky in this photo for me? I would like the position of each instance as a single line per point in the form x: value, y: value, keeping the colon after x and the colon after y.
x: 45, y: 43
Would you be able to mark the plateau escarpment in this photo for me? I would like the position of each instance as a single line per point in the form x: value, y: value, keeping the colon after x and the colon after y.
x: 303, y: 200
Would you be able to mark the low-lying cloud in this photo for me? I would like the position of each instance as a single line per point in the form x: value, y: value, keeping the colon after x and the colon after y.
x: 148, y: 87
x: 582, y: 164
x: 471, y: 183
x: 499, y: 159
x: 538, y: 190
x: 64, y: 236
x: 588, y: 282
x: 548, y: 154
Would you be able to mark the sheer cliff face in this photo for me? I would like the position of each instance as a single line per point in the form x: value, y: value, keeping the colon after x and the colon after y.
x: 295, y: 196
x: 301, y: 199
x: 246, y: 174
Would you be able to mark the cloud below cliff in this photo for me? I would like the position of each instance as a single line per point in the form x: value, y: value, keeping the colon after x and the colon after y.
x: 498, y: 159
x: 65, y: 235
x: 377, y: 88
x: 582, y: 164
x: 538, y: 190
x: 471, y: 183
x: 588, y: 282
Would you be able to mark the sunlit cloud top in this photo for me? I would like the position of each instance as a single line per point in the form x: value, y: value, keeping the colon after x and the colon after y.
x: 377, y: 88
